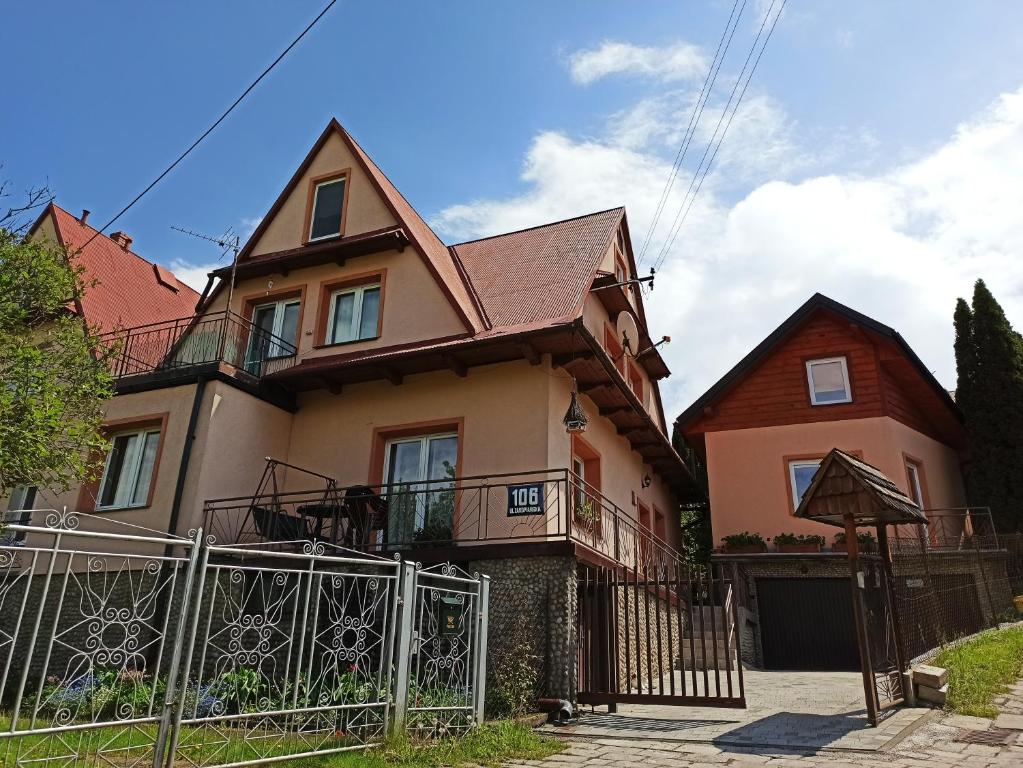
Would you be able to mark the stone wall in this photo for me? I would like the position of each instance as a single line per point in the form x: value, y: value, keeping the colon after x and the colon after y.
x: 539, y: 593
x: 648, y: 640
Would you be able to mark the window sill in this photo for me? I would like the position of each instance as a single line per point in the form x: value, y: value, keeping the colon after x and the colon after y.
x: 345, y: 343
x: 126, y: 508
x: 323, y: 239
x: 825, y: 405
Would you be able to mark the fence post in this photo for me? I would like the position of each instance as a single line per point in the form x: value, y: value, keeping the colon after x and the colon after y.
x: 170, y: 717
x: 480, y: 688
x: 403, y: 657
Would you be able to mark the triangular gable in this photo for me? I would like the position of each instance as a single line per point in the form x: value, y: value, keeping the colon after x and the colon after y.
x: 942, y: 410
x: 374, y: 204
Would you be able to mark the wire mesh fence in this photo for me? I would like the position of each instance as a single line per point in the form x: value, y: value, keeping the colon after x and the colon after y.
x: 953, y: 577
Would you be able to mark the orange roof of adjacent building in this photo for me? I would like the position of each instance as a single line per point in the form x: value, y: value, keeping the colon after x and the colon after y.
x: 123, y: 289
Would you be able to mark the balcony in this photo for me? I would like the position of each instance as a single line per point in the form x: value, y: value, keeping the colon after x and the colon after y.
x: 187, y: 344
x: 446, y: 519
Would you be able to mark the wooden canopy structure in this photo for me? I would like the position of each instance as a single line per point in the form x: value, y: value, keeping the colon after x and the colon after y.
x: 844, y: 485
x: 849, y: 493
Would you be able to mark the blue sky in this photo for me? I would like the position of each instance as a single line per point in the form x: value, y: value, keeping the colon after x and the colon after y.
x: 877, y: 156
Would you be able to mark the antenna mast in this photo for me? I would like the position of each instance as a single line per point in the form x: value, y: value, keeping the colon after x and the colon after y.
x: 229, y: 241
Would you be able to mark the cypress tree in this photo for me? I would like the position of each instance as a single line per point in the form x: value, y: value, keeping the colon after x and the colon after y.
x: 989, y: 364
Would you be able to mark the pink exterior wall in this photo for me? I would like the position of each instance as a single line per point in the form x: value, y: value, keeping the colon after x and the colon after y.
x: 748, y: 472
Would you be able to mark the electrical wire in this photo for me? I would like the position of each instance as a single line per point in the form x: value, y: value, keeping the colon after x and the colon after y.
x: 694, y: 120
x: 210, y: 130
x: 715, y: 141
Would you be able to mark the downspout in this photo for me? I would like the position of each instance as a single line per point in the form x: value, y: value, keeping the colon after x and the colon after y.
x: 186, y: 456
x: 163, y: 600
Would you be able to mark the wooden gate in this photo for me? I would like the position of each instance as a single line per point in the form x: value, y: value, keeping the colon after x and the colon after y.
x: 658, y: 632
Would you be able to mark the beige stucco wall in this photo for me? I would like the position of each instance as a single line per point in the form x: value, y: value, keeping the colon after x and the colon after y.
x: 748, y: 470
x: 414, y: 308
x: 366, y: 211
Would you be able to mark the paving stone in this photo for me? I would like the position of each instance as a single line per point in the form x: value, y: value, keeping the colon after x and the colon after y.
x: 967, y: 722
x: 1009, y: 721
x: 933, y: 677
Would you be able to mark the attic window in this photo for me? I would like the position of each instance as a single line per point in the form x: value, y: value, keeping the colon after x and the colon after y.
x: 327, y: 207
x: 829, y: 381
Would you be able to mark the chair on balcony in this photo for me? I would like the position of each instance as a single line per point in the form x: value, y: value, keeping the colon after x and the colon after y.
x: 276, y: 525
x: 366, y: 512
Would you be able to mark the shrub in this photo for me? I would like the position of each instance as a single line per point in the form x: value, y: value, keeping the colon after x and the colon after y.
x: 803, y: 538
x: 744, y: 539
x: 515, y: 677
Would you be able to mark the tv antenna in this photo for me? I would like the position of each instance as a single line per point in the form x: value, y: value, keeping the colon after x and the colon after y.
x: 230, y: 242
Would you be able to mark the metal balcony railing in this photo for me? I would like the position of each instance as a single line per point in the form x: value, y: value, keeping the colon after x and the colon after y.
x: 175, y: 345
x: 521, y: 507
x: 953, y: 529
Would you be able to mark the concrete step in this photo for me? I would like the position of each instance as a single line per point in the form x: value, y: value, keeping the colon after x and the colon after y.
x: 697, y: 661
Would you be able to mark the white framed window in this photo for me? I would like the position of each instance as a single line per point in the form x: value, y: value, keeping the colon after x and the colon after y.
x: 272, y: 323
x: 354, y: 314
x: 801, y: 474
x: 128, y: 471
x: 829, y: 381
x: 916, y: 490
x: 328, y: 204
x: 418, y: 504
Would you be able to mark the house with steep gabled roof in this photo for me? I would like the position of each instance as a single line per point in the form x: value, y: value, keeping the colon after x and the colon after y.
x: 125, y: 289
x: 353, y: 381
x: 831, y: 381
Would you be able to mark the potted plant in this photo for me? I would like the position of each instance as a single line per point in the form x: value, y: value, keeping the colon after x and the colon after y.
x: 790, y: 542
x: 744, y: 543
x: 587, y: 513
x: 865, y: 540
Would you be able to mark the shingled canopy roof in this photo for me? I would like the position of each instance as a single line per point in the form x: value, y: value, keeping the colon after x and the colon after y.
x: 846, y: 485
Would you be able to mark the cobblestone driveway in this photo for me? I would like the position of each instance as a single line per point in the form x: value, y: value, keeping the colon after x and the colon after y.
x: 805, y: 720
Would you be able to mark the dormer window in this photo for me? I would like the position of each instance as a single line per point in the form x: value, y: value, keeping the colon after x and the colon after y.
x: 327, y: 209
x: 829, y: 381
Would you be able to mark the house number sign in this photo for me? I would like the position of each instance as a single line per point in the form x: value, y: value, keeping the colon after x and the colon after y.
x: 525, y: 499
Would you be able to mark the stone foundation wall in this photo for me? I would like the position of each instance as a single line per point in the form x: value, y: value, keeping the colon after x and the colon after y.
x: 656, y: 622
x: 540, y: 594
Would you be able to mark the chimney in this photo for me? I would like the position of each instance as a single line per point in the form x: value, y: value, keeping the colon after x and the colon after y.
x: 84, y: 217
x: 122, y: 239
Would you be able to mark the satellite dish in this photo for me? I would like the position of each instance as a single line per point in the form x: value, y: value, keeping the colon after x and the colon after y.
x: 628, y: 331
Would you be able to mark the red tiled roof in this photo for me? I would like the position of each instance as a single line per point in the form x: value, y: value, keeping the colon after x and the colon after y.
x: 128, y: 290
x: 537, y: 276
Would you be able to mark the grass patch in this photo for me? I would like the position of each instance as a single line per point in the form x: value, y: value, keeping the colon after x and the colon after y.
x: 489, y: 744
x: 980, y: 669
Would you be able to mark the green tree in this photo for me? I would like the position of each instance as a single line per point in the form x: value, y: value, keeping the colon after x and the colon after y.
x: 54, y: 381
x: 989, y: 391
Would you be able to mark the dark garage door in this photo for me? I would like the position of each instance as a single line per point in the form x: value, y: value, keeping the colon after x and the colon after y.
x: 807, y: 624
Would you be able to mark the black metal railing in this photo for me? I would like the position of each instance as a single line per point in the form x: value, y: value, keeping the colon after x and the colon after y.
x: 953, y: 529
x: 537, y: 506
x: 174, y: 345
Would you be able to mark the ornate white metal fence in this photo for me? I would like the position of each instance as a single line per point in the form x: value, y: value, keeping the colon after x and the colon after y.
x: 125, y: 647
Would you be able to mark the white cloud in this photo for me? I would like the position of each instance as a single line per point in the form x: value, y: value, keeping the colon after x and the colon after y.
x: 681, y: 61
x: 194, y: 275
x: 899, y: 244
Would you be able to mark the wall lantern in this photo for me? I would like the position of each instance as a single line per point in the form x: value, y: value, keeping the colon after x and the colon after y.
x: 647, y: 480
x: 575, y: 420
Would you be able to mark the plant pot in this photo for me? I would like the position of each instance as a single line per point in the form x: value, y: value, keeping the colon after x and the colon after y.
x: 839, y: 546
x: 803, y: 546
x: 745, y: 549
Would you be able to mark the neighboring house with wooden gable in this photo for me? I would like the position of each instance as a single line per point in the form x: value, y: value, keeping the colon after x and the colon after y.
x: 411, y: 397
x: 830, y: 377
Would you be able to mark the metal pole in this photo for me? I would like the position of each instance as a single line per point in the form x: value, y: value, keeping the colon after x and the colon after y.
x: 481, y: 647
x: 406, y: 606
x: 171, y: 715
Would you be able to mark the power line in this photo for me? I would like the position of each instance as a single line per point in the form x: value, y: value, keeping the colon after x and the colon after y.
x: 702, y: 170
x: 210, y: 130
x: 694, y: 120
